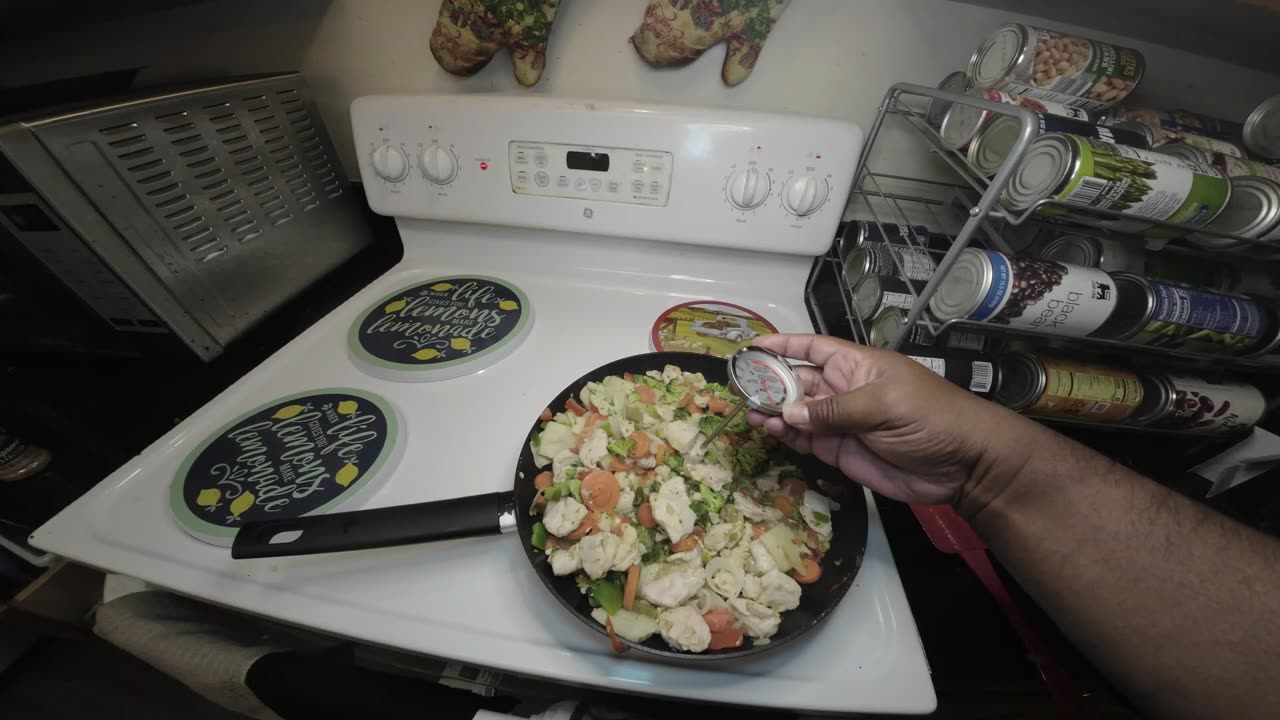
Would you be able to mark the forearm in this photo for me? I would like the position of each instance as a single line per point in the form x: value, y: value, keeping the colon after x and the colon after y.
x: 1178, y: 604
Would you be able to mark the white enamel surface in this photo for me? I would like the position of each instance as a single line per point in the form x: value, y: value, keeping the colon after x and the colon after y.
x: 478, y: 601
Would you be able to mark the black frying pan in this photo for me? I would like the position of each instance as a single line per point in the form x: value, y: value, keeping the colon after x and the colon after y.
x: 503, y: 511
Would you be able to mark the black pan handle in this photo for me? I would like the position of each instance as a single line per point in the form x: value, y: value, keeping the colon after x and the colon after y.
x: 488, y: 514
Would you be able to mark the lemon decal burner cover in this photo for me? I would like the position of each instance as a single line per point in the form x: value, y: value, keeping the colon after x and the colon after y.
x: 441, y: 328
x: 314, y: 452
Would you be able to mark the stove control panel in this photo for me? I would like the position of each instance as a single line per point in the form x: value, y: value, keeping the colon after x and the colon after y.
x: 702, y: 176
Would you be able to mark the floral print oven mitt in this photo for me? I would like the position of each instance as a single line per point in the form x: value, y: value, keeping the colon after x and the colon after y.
x: 676, y: 32
x: 469, y: 32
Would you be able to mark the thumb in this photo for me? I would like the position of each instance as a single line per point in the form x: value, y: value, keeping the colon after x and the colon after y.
x: 856, y: 411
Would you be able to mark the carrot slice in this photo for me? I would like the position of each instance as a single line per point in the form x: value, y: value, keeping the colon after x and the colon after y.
x: 616, y: 465
x: 575, y: 407
x: 688, y: 542
x: 545, y: 415
x: 759, y: 529
x: 600, y: 490
x: 587, y: 525
x: 628, y: 377
x: 543, y: 481
x: 633, y: 584
x: 808, y: 573
x: 660, y: 454
x: 794, y: 487
x: 642, y: 445
x: 725, y: 639
x: 718, y: 618
x: 784, y: 503
x: 716, y: 405
x: 618, y: 647
x: 647, y: 394
x: 594, y: 419
x: 645, y: 514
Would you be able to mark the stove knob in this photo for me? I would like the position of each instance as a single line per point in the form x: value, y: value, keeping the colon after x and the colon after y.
x: 748, y: 188
x: 803, y: 194
x: 390, y: 163
x: 439, y: 165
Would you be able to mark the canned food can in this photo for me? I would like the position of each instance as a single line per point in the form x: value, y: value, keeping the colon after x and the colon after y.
x: 873, y: 293
x: 1234, y: 167
x: 961, y: 124
x: 1197, y: 405
x: 1189, y: 153
x: 1153, y: 137
x: 956, y: 82
x: 1253, y: 212
x: 1262, y: 129
x: 1105, y: 254
x: 1160, y: 314
x: 859, y: 233
x: 1162, y: 121
x: 1048, y: 65
x: 1056, y: 388
x: 1186, y: 270
x: 988, y: 151
x: 887, y: 260
x: 890, y: 322
x: 1090, y: 173
x: 973, y: 371
x: 1157, y: 399
x: 1204, y: 142
x: 1025, y: 292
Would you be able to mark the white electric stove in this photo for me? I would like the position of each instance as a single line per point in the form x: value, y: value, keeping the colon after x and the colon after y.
x: 604, y: 215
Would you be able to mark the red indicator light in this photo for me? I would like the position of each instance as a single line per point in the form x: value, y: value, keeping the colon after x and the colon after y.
x: 484, y: 166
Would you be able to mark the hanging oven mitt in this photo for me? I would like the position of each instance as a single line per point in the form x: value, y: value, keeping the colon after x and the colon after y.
x: 676, y: 32
x: 469, y: 32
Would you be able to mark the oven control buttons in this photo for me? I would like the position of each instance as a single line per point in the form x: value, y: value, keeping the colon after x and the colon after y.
x: 748, y: 188
x: 439, y: 165
x: 804, y: 194
x: 390, y: 162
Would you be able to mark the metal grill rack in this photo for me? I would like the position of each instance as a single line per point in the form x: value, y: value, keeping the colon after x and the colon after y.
x: 966, y: 212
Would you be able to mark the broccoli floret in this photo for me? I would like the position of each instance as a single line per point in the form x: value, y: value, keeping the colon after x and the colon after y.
x: 715, y: 387
x: 675, y: 461
x: 708, y: 424
x: 713, y: 499
x: 749, y: 459
x: 682, y: 414
x: 621, y: 448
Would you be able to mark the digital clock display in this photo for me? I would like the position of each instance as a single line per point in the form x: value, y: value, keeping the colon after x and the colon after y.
x: 594, y: 162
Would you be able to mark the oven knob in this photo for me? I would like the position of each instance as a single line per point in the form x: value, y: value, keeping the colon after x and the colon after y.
x: 748, y: 188
x: 803, y: 194
x: 390, y: 162
x: 439, y: 165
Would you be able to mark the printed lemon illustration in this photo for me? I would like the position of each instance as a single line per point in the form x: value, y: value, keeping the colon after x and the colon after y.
x: 441, y: 287
x: 208, y: 499
x: 427, y: 354
x: 509, y: 305
x: 460, y: 344
x: 243, y: 502
x: 346, y: 475
x: 288, y: 411
x: 395, y: 306
x: 347, y: 407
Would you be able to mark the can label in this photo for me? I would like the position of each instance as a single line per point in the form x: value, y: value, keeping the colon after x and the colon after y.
x: 1047, y: 295
x: 1190, y: 318
x: 1087, y: 392
x: 1213, y: 145
x: 896, y: 299
x: 1140, y: 182
x: 901, y: 262
x: 1173, y: 268
x: 1162, y: 121
x: 1083, y: 128
x: 1235, y: 167
x: 974, y: 375
x: 953, y: 339
x: 1075, y: 71
x: 1203, y: 406
x: 917, y: 235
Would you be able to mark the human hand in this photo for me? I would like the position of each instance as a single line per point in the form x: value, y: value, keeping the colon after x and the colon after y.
x: 889, y: 423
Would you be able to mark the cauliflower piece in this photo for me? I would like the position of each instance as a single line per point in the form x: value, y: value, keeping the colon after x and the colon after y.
x: 718, y: 536
x: 671, y: 372
x: 671, y: 584
x: 597, y: 553
x: 604, y: 523
x: 767, y: 482
x: 628, y: 550
x: 725, y: 577
x: 594, y: 448
x: 693, y: 557
x: 666, y: 413
x: 704, y: 600
x: 648, y: 463
x: 622, y: 426
x: 563, y: 460
x: 701, y: 400
x: 713, y: 476
x: 628, y: 625
x: 751, y: 587
x: 662, y: 472
x: 696, y: 380
x: 754, y: 510
x: 816, y: 512
x: 761, y: 557
x: 671, y: 509
x: 757, y: 620
x: 563, y: 516
x: 779, y: 591
x: 684, y: 629
x: 682, y: 434
x: 626, y: 502
x: 565, y: 562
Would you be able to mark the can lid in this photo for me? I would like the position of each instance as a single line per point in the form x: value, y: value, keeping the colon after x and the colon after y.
x: 1043, y: 168
x: 956, y: 82
x: 1022, y: 380
x: 961, y: 123
x: 1253, y: 210
x: 856, y: 266
x: 997, y: 55
x: 1157, y: 399
x: 1183, y: 151
x: 964, y: 288
x: 886, y: 326
x: 991, y: 148
x: 847, y: 241
x: 1134, y: 303
x: 866, y: 296
x: 1073, y: 250
x: 1262, y: 129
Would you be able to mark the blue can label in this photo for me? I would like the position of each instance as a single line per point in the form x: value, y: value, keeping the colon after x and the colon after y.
x: 917, y: 235
x: 998, y: 293
x: 1188, y: 317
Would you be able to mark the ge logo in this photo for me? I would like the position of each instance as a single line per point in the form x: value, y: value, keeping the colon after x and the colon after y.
x: 588, y: 213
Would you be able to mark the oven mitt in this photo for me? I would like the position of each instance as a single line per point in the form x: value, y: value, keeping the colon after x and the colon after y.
x: 469, y: 32
x: 676, y: 32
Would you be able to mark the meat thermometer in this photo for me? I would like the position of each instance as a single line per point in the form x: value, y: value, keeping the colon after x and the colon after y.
x: 764, y: 380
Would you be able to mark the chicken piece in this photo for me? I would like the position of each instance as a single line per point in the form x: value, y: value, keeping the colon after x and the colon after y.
x: 764, y: 562
x: 671, y: 584
x: 757, y: 621
x: 563, y: 516
x: 627, y: 624
x: 778, y: 591
x: 684, y: 629
x: 816, y: 512
x: 713, y: 476
x: 597, y: 553
x: 671, y: 509
x: 753, y: 510
x: 565, y: 562
x: 628, y: 550
x: 595, y: 447
x: 719, y: 537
